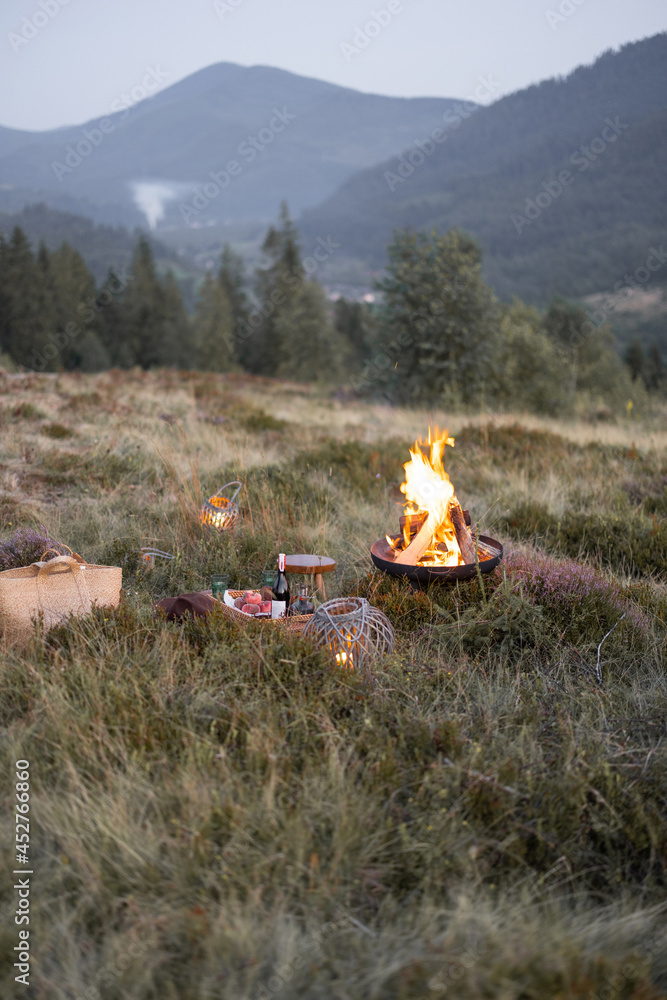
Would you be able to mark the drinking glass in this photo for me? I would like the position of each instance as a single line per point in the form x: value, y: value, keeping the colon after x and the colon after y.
x: 219, y: 584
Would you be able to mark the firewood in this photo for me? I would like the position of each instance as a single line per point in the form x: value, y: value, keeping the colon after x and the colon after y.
x: 411, y: 555
x: 413, y: 521
x: 487, y: 551
x: 466, y: 543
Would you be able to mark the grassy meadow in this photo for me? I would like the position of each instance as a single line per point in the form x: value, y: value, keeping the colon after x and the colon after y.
x: 219, y: 812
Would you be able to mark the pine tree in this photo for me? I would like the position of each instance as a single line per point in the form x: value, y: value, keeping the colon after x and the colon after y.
x: 5, y: 298
x: 635, y: 359
x: 309, y: 347
x: 276, y: 286
x: 72, y: 288
x: 439, y: 316
x: 213, y: 329
x: 141, y: 310
x: 109, y: 324
x: 176, y: 343
x: 153, y: 325
x: 359, y: 329
x: 232, y: 280
x: 27, y: 320
x: 655, y: 370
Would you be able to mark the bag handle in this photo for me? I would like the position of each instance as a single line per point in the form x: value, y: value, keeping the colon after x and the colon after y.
x: 51, y: 564
x: 75, y: 555
x: 234, y: 482
x: 77, y: 575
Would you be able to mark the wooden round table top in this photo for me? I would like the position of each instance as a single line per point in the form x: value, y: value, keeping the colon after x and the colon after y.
x: 309, y: 564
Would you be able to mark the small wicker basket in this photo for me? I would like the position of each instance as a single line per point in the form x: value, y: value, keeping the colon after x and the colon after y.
x: 292, y: 623
x: 221, y: 512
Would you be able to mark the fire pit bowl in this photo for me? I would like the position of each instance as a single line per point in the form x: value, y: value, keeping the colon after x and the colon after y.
x: 382, y: 556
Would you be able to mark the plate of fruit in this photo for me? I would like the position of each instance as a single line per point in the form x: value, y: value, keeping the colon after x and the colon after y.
x: 250, y: 602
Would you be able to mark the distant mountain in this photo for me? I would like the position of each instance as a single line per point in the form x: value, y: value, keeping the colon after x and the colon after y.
x: 562, y: 184
x: 264, y: 133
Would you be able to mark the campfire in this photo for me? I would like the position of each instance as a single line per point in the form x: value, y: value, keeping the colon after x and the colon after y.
x: 435, y: 536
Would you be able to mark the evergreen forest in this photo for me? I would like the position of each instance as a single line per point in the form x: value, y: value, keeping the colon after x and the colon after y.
x: 434, y: 333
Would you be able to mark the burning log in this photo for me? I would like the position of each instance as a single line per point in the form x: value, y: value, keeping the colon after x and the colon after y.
x: 466, y: 543
x: 411, y: 555
x: 411, y: 523
x: 415, y: 521
x: 487, y: 551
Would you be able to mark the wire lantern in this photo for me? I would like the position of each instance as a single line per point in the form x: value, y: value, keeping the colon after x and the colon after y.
x: 353, y: 630
x: 219, y: 511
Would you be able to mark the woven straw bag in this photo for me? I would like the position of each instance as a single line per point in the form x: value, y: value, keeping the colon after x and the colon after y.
x: 63, y: 586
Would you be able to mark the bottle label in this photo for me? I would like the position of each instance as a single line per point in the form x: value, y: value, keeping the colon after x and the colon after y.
x: 281, y: 562
x: 277, y: 609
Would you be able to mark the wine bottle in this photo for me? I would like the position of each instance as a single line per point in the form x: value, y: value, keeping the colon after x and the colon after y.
x: 302, y: 606
x: 280, y: 589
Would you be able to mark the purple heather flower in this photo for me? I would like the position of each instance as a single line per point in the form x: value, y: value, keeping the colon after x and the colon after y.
x: 26, y: 546
x: 566, y: 582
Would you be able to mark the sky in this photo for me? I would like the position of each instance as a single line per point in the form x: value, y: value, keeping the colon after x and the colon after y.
x: 64, y: 62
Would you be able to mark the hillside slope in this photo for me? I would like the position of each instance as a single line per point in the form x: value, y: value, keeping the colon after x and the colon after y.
x: 605, y: 125
x: 292, y: 137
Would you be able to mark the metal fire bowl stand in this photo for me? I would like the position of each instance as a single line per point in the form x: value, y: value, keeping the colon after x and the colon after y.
x: 381, y: 554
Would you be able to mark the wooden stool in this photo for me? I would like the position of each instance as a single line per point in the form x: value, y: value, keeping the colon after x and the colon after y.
x: 312, y: 565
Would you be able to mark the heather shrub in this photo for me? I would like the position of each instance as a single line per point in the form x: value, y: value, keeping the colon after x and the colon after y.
x: 626, y: 539
x: 528, y: 519
x: 409, y: 608
x: 504, y: 625
x: 26, y: 546
x: 27, y: 411
x: 57, y: 431
x: 105, y: 471
x: 255, y: 420
x: 287, y: 489
x: 580, y: 601
x: 357, y: 465
x: 623, y: 538
x: 514, y: 443
x: 12, y: 512
x: 406, y: 609
x: 657, y: 504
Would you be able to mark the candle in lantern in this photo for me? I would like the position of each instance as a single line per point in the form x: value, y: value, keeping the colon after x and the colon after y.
x: 221, y: 512
x: 353, y: 631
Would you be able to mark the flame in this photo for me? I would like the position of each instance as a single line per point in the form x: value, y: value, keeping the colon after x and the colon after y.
x: 345, y: 658
x: 429, y: 490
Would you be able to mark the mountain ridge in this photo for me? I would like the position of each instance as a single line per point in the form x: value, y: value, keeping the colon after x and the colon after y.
x: 195, y: 127
x: 497, y: 162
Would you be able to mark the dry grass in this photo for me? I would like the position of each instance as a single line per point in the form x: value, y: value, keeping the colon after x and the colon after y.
x: 221, y: 813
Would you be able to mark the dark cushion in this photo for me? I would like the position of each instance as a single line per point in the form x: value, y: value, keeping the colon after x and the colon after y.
x: 196, y: 605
